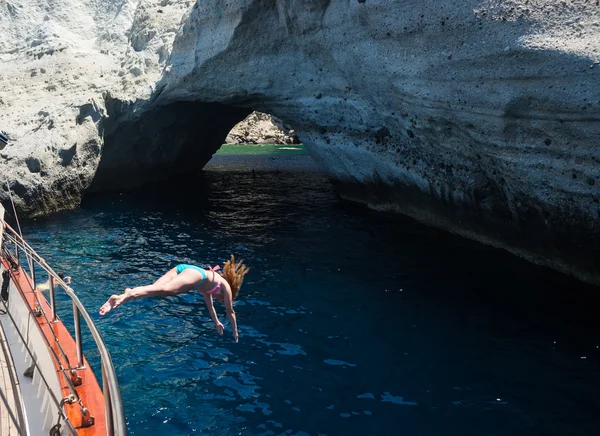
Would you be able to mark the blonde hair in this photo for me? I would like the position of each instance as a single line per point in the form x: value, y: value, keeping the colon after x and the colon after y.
x: 234, y: 273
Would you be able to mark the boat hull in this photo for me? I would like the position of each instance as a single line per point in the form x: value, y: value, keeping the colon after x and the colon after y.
x: 54, y: 350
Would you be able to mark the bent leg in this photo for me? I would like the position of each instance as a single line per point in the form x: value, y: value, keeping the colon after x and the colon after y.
x: 184, y: 282
x: 170, y: 275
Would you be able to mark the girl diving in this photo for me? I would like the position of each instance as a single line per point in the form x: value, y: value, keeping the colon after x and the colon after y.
x: 185, y: 278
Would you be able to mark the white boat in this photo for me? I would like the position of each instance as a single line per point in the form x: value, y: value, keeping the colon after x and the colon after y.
x: 47, y: 386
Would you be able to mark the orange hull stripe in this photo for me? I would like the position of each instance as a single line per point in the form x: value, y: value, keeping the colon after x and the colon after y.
x: 89, y: 391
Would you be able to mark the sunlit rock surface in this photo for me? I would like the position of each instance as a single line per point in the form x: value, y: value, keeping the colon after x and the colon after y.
x: 260, y: 128
x: 480, y: 117
x: 60, y: 63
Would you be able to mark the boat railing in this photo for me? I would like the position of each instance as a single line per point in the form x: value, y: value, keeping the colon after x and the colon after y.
x: 113, y: 405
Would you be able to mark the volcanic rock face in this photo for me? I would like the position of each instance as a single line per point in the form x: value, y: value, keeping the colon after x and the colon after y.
x: 60, y: 63
x: 259, y: 128
x: 481, y: 117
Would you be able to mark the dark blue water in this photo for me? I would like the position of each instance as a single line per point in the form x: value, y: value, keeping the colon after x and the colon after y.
x: 351, y: 322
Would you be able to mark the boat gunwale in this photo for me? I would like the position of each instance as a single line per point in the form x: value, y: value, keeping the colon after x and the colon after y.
x: 14, y: 380
x: 52, y: 331
x: 112, y: 414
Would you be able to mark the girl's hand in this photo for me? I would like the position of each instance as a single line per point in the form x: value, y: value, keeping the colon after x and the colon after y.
x: 235, y: 335
x: 219, y: 327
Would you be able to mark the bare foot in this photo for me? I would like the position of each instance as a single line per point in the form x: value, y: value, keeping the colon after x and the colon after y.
x: 113, y: 302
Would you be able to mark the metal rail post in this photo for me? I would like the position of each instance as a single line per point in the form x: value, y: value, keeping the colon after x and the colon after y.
x: 52, y: 301
x: 78, y: 341
x: 107, y: 403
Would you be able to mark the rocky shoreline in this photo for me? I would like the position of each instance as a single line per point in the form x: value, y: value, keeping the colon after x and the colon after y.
x: 259, y: 128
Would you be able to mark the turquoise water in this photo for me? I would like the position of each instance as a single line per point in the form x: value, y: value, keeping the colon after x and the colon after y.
x: 351, y: 322
x: 264, y: 149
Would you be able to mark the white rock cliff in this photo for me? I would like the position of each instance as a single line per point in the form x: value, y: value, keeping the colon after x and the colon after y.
x: 480, y: 117
x: 259, y: 128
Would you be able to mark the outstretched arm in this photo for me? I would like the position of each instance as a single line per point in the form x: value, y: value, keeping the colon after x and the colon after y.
x: 213, y: 314
x: 228, y: 301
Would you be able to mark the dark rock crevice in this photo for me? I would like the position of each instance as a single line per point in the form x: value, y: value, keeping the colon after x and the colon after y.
x: 142, y: 146
x: 546, y: 236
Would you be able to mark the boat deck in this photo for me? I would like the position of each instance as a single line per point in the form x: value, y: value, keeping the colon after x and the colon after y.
x: 8, y: 381
x: 10, y: 388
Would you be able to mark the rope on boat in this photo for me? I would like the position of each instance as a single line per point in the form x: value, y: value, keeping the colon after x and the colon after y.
x: 12, y: 202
